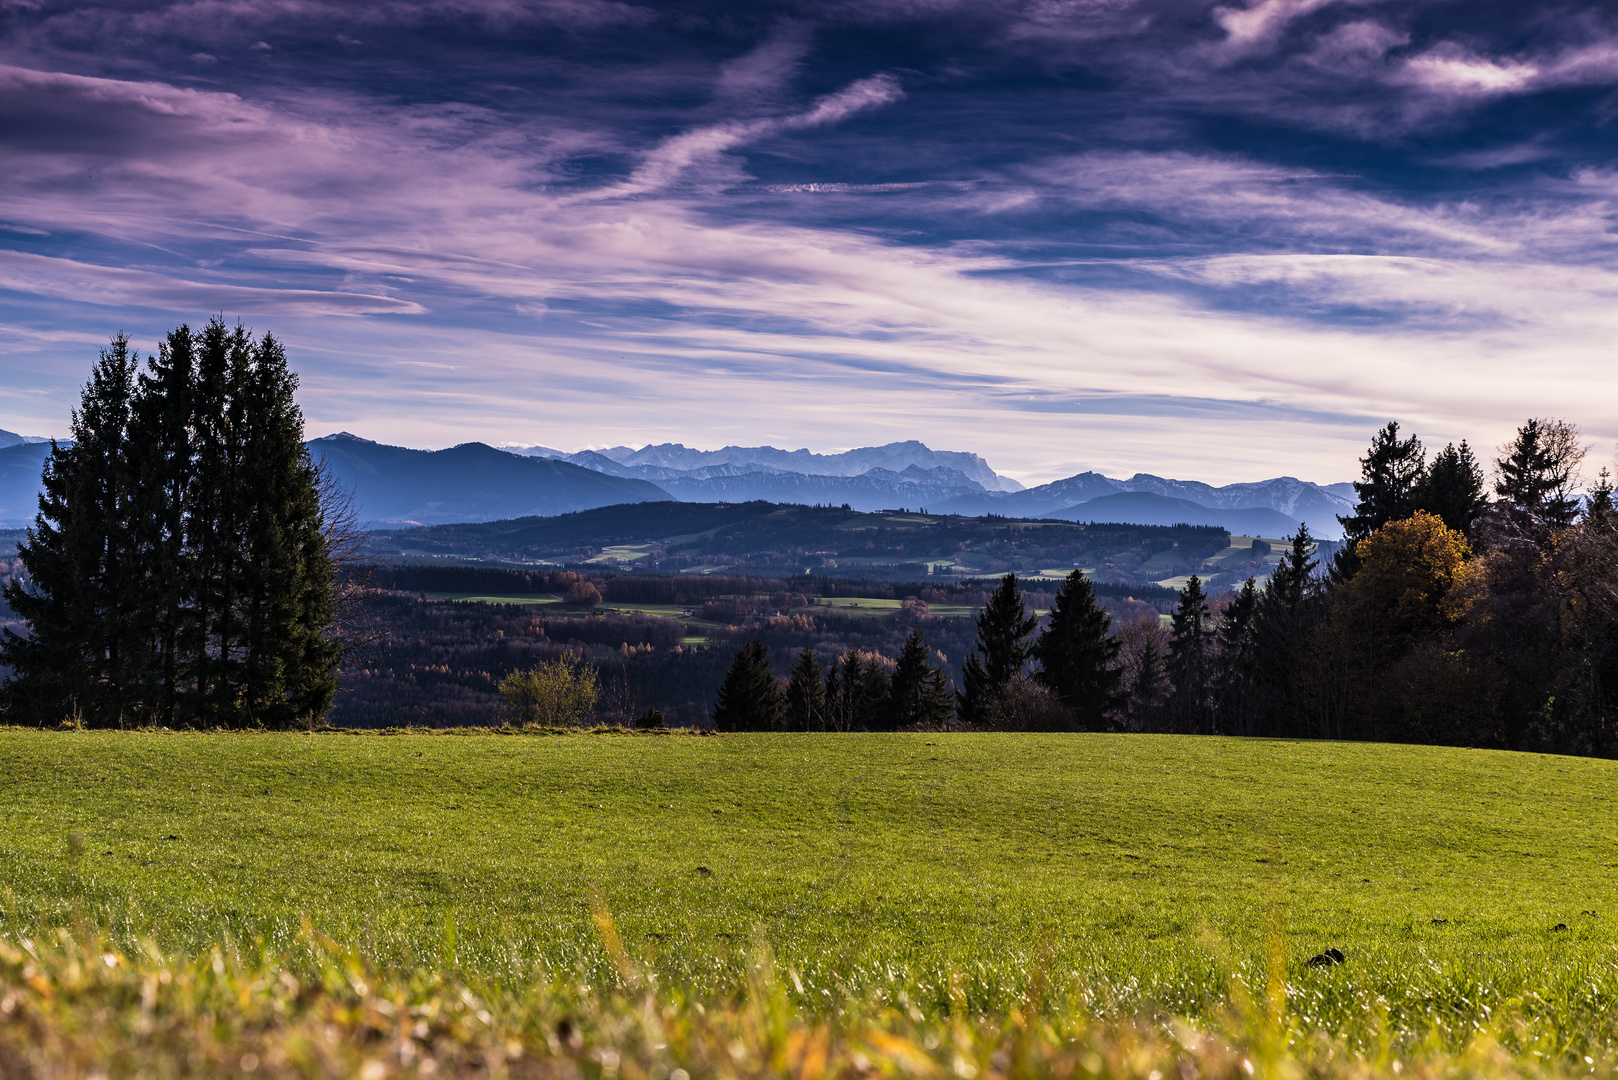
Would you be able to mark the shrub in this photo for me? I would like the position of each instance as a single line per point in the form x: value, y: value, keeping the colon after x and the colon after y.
x: 554, y: 693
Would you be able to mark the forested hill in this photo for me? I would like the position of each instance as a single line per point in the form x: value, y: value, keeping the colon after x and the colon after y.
x: 676, y: 537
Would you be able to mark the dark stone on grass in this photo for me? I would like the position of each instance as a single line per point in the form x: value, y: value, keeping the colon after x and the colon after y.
x: 1329, y: 958
x: 704, y: 871
x: 1559, y: 927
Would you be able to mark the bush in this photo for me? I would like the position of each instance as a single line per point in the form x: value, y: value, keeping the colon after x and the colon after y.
x: 555, y: 693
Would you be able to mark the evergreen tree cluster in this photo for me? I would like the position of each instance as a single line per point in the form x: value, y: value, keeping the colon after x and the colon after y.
x: 179, y: 568
x: 857, y: 692
x: 1450, y: 617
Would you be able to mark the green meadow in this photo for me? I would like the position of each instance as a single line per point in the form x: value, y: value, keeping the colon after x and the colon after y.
x: 1134, y: 874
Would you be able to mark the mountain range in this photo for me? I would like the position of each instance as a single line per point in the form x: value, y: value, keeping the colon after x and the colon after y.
x: 11, y: 438
x: 475, y: 482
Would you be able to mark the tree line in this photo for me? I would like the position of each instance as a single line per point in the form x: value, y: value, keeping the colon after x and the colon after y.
x: 1456, y: 612
x: 179, y: 571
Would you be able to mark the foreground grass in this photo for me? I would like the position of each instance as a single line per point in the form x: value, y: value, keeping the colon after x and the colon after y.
x: 1132, y: 876
x: 74, y: 1007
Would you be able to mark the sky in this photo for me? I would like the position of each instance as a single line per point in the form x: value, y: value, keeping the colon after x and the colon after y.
x: 1219, y: 241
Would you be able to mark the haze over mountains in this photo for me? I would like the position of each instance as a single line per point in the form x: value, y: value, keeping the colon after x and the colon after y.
x: 475, y: 482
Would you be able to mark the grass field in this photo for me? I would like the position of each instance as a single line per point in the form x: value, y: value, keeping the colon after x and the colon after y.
x: 1135, y: 872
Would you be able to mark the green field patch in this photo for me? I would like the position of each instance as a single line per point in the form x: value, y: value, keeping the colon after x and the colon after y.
x: 480, y: 598
x: 623, y: 553
x: 1146, y: 869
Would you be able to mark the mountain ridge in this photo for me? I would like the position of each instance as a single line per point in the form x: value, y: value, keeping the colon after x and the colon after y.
x: 478, y: 482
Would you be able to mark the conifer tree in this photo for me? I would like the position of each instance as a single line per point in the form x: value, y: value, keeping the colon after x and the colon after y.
x: 1148, y: 687
x: 1078, y: 657
x: 1452, y: 488
x: 1282, y: 623
x: 1599, y: 512
x: 1237, y: 658
x: 165, y: 463
x: 1389, y: 474
x: 1000, y: 653
x: 179, y: 558
x: 749, y: 699
x: 806, y: 695
x: 1537, y: 472
x: 1191, y: 653
x: 920, y: 695
x: 82, y: 656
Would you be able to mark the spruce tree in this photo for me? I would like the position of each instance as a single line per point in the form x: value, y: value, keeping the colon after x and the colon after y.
x: 83, y: 656
x: 1078, y: 657
x: 1452, y: 488
x: 1389, y: 474
x: 165, y: 463
x: 1147, y: 688
x: 1538, y: 472
x: 1000, y: 653
x: 748, y: 699
x: 1599, y: 512
x: 920, y: 695
x: 1282, y: 625
x: 806, y: 695
x: 286, y: 583
x: 1191, y: 651
x: 1237, y: 659
x: 180, y: 560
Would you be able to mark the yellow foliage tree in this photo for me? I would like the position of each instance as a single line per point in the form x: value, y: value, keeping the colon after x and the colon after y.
x: 553, y: 693
x: 1409, y: 571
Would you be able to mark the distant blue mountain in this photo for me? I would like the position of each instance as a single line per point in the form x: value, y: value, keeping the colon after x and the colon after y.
x: 11, y: 438
x: 1144, y: 508
x: 470, y: 482
x: 1287, y: 499
x: 476, y: 482
x: 20, y: 467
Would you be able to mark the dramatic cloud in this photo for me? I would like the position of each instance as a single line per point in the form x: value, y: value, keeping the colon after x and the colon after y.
x: 1217, y: 239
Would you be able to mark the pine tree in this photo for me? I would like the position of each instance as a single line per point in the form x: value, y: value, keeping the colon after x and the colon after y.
x: 1452, y: 488
x: 749, y: 699
x: 1077, y: 655
x: 1000, y: 653
x: 1599, y: 512
x: 1282, y: 623
x: 1233, y: 681
x: 164, y: 461
x: 1148, y: 688
x: 1389, y: 474
x: 920, y: 695
x: 806, y: 695
x: 286, y: 583
x: 858, y: 693
x: 1191, y: 652
x: 82, y: 657
x: 180, y: 559
x: 1538, y: 471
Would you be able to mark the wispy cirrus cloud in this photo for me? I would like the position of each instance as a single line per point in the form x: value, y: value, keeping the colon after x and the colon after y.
x: 832, y: 225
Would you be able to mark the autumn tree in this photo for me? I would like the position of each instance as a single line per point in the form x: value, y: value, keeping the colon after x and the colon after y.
x: 553, y: 693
